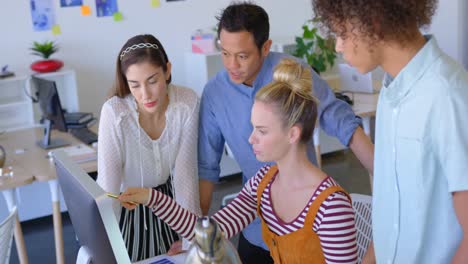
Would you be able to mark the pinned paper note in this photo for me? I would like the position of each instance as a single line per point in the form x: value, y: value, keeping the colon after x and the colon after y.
x: 85, y: 10
x: 155, y: 3
x: 43, y: 14
x: 106, y: 8
x: 118, y: 16
x: 56, y: 30
x: 67, y: 3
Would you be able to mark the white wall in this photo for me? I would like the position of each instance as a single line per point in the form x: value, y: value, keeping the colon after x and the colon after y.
x: 450, y: 26
x: 90, y: 44
x: 464, y: 31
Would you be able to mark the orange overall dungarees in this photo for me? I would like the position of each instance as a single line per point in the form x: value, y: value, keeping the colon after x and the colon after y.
x: 301, y: 246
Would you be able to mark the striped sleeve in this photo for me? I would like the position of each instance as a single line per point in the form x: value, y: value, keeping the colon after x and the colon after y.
x: 232, y: 219
x: 243, y: 209
x: 336, y: 229
x: 178, y: 218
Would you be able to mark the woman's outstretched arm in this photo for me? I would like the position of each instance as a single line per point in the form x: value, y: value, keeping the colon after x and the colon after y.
x: 231, y: 219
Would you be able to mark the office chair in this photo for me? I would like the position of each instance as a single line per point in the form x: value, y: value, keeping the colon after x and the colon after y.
x: 6, y: 236
x: 362, y: 205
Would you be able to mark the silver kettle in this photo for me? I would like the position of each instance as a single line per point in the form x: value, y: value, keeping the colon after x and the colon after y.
x: 210, y: 246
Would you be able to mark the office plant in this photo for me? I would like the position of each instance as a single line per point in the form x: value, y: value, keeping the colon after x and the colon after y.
x: 317, y: 51
x: 45, y: 50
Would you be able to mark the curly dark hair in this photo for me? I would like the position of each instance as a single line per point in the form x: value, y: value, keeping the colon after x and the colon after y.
x: 375, y: 19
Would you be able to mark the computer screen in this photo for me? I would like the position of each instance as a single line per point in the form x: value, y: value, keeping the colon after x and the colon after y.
x: 354, y: 81
x: 51, y: 109
x: 91, y: 212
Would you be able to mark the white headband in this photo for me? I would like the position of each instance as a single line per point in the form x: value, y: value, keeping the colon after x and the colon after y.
x: 138, y: 46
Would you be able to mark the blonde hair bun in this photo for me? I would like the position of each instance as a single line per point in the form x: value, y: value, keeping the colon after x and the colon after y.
x: 295, y: 76
x: 291, y: 92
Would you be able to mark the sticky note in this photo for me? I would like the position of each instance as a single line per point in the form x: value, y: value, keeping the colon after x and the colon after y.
x: 56, y: 30
x: 155, y: 3
x: 118, y: 16
x: 85, y: 10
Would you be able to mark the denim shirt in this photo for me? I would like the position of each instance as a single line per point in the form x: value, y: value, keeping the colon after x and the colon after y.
x: 225, y: 118
x: 421, y: 157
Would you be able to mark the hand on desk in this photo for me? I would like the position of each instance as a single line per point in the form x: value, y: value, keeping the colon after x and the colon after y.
x: 134, y: 196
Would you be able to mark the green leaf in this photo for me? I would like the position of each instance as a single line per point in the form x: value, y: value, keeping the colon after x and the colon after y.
x: 44, y: 49
x: 321, y: 43
x: 319, y: 52
x: 307, y: 34
x: 314, y: 31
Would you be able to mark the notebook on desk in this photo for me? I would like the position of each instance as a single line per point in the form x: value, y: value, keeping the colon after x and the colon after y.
x: 77, y: 117
x: 354, y: 81
x: 79, y: 153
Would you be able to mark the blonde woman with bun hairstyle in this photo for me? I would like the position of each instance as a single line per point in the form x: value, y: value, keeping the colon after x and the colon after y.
x: 306, y: 216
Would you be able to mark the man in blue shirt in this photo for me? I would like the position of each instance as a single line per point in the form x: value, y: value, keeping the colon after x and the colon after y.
x: 420, y: 196
x: 226, y: 105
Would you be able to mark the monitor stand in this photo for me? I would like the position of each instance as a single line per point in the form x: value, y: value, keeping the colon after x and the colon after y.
x: 47, y: 142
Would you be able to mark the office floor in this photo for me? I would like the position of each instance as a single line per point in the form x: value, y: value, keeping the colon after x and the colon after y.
x: 39, y: 234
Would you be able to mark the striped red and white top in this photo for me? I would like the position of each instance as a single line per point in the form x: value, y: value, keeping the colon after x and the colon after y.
x: 334, y: 222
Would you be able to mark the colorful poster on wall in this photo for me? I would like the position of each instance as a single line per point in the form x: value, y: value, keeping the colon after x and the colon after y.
x: 106, y: 7
x: 67, y: 3
x: 43, y: 15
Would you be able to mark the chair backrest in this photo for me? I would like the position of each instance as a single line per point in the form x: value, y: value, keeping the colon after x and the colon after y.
x: 362, y: 205
x: 6, y: 236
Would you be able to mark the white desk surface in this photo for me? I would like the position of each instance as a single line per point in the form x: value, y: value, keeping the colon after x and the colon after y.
x: 365, y: 104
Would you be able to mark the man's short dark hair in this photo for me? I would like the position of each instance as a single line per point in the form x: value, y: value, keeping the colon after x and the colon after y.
x: 245, y: 16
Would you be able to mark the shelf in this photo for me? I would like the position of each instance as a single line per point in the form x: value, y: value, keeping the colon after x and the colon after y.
x: 17, y: 109
x: 16, y: 115
x: 16, y: 78
x: 11, y: 103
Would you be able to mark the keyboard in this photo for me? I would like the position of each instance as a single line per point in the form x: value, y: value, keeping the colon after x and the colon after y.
x: 84, y: 135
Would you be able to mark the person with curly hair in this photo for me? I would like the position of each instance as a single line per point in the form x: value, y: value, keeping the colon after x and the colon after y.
x: 419, y: 212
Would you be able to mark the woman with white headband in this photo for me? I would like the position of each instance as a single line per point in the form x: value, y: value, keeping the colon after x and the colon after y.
x: 148, y: 138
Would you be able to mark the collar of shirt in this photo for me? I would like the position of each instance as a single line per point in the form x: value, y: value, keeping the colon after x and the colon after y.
x: 394, y: 90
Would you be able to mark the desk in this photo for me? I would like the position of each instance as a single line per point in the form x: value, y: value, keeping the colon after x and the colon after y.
x: 365, y: 106
x: 30, y: 164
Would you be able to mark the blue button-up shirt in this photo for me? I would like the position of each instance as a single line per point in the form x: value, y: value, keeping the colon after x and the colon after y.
x: 225, y: 118
x: 421, y: 156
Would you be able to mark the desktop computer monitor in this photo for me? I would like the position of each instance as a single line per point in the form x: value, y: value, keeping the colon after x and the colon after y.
x: 52, y: 113
x: 91, y: 212
x: 93, y: 218
x: 354, y: 81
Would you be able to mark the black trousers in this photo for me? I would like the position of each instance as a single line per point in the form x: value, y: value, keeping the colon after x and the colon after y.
x: 251, y: 254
